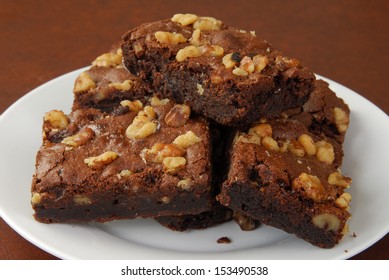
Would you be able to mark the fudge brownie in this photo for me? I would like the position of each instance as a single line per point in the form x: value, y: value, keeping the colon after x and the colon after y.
x: 224, y: 73
x: 106, y: 83
x: 137, y: 161
x: 286, y: 177
x: 323, y: 113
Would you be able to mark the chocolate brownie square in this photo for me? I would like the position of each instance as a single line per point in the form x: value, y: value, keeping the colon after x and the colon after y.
x: 224, y: 73
x: 106, y: 83
x: 286, y: 177
x: 136, y: 161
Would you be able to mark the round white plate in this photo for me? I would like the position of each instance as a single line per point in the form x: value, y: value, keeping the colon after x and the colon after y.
x: 366, y: 161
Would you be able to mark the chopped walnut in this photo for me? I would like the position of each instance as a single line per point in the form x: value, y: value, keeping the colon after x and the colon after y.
x: 248, y: 138
x: 170, y: 38
x: 173, y: 164
x: 239, y: 72
x: 343, y: 201
x: 186, y: 140
x: 36, y: 198
x: 337, y: 179
x: 134, y: 106
x: 260, y: 62
x: 326, y: 221
x: 159, y: 151
x: 341, y: 119
x: 141, y: 127
x: 80, y: 138
x: 185, y: 184
x: 296, y: 148
x: 79, y: 199
x: 270, y: 144
x: 247, y: 64
x: 262, y: 129
x: 57, y: 119
x: 308, y: 144
x: 325, y: 152
x: 108, y: 59
x: 155, y: 101
x: 211, y: 50
x: 83, y: 82
x: 188, y: 52
x: 228, y: 61
x: 101, y: 160
x: 207, y: 24
x: 200, y: 89
x: 195, y: 40
x: 125, y: 173
x: 124, y: 86
x: 311, y: 187
x: 178, y: 115
x: 184, y: 19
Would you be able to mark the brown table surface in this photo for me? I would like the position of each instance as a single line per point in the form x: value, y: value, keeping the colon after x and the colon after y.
x: 346, y: 41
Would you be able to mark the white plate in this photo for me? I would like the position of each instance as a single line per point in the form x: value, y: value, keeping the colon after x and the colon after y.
x: 366, y: 161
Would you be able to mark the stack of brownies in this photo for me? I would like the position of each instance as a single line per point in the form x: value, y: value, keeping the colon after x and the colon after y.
x: 193, y: 123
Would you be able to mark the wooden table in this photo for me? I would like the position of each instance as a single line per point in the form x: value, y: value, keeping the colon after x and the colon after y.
x: 39, y: 40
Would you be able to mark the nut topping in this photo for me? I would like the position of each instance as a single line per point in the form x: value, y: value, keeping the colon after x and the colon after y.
x: 108, y: 59
x: 80, y: 138
x: 343, y: 201
x: 308, y: 144
x: 207, y: 24
x: 141, y: 127
x: 159, y: 151
x: 57, y: 119
x: 186, y: 140
x: 325, y: 152
x: 185, y: 184
x: 341, y: 119
x: 337, y: 179
x: 101, y: 160
x: 126, y: 85
x: 326, y: 221
x: 263, y: 130
x: 178, y: 115
x: 188, y: 52
x: 83, y: 82
x: 270, y: 144
x: 311, y: 186
x: 184, y: 19
x: 134, y: 106
x: 169, y: 38
x: 173, y: 164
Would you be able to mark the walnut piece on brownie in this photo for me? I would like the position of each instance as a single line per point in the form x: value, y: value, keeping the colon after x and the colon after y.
x: 90, y: 168
x: 286, y: 177
x: 224, y: 73
x: 106, y: 83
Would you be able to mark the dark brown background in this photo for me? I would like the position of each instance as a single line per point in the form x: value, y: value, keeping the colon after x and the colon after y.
x: 346, y: 41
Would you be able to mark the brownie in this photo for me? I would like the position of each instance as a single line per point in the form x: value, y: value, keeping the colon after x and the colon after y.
x: 223, y: 73
x: 106, y: 83
x: 324, y: 113
x: 286, y: 177
x: 136, y: 161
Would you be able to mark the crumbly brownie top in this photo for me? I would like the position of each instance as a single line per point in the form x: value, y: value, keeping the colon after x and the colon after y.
x: 152, y: 147
x: 291, y: 157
